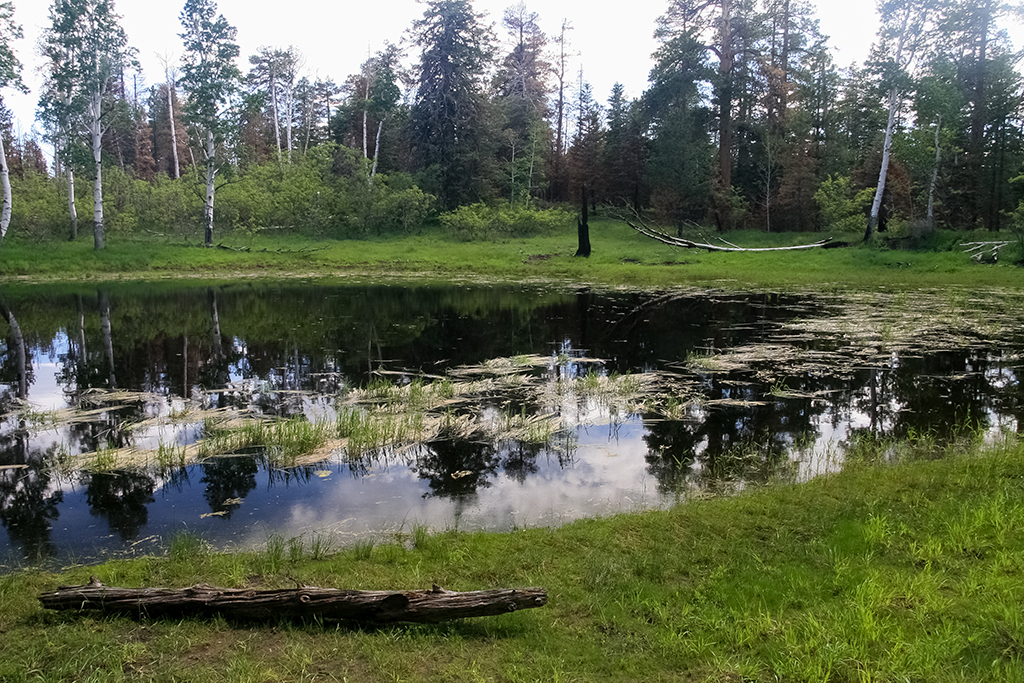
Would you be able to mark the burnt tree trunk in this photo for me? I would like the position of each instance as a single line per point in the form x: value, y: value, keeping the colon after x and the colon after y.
x: 583, y: 228
x: 421, y: 606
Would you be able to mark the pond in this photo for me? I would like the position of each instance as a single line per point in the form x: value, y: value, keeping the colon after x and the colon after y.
x: 330, y: 412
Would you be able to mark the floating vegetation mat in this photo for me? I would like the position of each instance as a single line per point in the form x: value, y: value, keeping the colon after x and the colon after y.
x: 528, y: 398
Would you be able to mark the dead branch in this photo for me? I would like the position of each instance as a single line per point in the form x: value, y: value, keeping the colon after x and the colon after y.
x: 665, y: 238
x: 985, y: 251
x: 305, y: 602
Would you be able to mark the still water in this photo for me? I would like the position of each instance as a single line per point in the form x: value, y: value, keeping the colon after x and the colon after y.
x: 571, y: 402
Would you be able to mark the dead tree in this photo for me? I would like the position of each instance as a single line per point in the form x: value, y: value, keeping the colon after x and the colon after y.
x: 305, y: 602
x: 665, y: 238
x: 583, y: 227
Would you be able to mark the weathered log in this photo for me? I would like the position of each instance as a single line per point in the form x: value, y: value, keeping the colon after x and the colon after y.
x: 306, y: 602
x: 690, y: 244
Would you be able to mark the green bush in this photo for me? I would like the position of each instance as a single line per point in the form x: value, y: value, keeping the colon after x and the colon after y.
x: 39, y: 209
x: 480, y: 221
x: 841, y: 208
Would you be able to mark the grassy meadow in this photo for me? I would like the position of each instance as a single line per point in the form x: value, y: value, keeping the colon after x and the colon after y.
x: 906, y: 572
x: 620, y: 257
x: 883, y: 572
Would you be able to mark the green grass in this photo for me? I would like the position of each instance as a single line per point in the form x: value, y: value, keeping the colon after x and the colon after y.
x: 879, y: 573
x: 620, y: 257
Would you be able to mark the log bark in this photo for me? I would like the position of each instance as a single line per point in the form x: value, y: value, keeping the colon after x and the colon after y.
x: 306, y: 602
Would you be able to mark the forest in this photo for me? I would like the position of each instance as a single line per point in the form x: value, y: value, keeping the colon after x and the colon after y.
x: 488, y: 129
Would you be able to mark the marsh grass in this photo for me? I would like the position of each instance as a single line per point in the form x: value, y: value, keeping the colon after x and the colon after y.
x: 880, y: 572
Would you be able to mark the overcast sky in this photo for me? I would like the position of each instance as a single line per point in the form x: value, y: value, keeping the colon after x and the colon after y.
x: 611, y: 44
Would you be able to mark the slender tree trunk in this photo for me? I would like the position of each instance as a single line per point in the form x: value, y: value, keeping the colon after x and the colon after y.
x: 174, y: 134
x: 96, y: 131
x: 291, y: 115
x: 72, y: 208
x: 211, y: 176
x: 273, y: 106
x: 976, y: 154
x: 876, y: 205
x: 725, y: 67
x: 376, y: 151
x: 935, y: 177
x: 5, y: 180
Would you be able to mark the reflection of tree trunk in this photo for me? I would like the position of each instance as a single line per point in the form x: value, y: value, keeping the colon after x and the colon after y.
x: 218, y: 343
x: 19, y: 349
x: 81, y: 333
x: 873, y: 384
x: 108, y: 341
x: 185, y: 393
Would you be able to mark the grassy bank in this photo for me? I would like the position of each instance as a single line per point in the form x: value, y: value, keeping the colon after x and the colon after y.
x: 620, y: 257
x: 905, y: 572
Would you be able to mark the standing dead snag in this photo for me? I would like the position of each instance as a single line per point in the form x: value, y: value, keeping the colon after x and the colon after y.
x: 420, y: 606
x: 582, y: 226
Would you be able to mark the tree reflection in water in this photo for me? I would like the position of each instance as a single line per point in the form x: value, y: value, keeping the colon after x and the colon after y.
x: 228, y: 481
x: 292, y: 349
x: 121, y: 498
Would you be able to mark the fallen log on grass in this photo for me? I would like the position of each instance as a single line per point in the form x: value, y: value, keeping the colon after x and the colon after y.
x: 305, y: 602
x: 665, y: 238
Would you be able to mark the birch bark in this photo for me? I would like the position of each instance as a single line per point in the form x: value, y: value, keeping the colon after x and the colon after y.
x: 5, y: 180
x: 211, y: 176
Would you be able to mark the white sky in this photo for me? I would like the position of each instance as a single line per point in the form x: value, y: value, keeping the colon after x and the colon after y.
x: 612, y: 46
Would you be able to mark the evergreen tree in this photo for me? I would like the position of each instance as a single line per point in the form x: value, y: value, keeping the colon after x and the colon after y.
x: 451, y: 111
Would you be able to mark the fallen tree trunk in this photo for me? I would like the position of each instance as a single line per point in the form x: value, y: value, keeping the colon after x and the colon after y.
x: 421, y: 606
x: 729, y: 246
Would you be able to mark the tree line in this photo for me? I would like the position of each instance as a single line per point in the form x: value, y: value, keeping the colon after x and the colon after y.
x: 747, y: 122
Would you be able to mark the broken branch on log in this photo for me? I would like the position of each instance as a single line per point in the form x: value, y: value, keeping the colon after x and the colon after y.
x: 985, y: 251
x: 690, y: 244
x: 420, y: 606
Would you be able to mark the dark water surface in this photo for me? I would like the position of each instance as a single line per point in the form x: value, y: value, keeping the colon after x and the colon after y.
x: 736, y: 388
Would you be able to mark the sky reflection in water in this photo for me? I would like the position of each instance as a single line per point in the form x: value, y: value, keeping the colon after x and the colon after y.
x: 745, y: 386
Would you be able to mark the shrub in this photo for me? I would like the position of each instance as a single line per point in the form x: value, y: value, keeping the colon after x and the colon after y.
x: 841, y: 208
x: 479, y: 221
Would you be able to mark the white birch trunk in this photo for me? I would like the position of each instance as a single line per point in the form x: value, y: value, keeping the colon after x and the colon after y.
x: 72, y: 209
x: 5, y: 180
x: 376, y: 151
x: 273, y: 103
x: 96, y: 133
x: 291, y: 116
x: 174, y: 135
x: 211, y: 175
